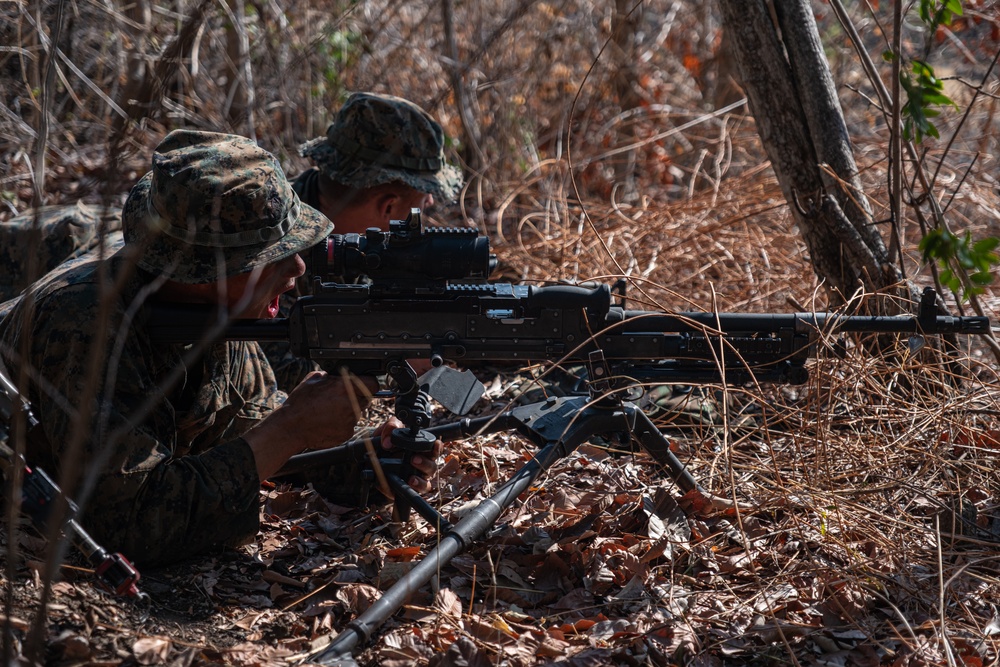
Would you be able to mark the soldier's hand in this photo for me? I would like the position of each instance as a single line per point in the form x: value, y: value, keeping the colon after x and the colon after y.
x: 426, y: 464
x: 321, y: 412
x: 323, y: 409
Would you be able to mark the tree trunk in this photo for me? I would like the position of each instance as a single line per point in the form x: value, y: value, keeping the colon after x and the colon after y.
x: 133, y: 98
x: 792, y: 97
x: 471, y: 146
x: 144, y: 102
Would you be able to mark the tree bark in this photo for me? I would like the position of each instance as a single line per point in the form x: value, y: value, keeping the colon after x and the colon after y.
x: 472, y: 152
x: 132, y: 98
x: 238, y: 71
x: 792, y: 97
x: 144, y: 102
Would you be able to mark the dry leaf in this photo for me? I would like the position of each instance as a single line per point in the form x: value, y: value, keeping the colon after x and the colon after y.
x: 403, y: 554
x: 358, y: 597
x: 448, y: 603
x: 151, y: 650
x: 73, y: 646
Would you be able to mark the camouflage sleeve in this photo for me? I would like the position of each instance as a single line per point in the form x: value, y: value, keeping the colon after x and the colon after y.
x: 146, y: 498
x: 289, y: 370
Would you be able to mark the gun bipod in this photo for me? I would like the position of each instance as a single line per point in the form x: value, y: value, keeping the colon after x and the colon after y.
x: 558, y: 426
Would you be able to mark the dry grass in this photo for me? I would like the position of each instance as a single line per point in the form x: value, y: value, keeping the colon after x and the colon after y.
x: 850, y: 553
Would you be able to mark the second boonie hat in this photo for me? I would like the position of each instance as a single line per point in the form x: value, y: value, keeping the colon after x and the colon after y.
x: 378, y: 139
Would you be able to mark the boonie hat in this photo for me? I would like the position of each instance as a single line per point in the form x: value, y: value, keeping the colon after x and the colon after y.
x: 216, y: 205
x: 378, y: 139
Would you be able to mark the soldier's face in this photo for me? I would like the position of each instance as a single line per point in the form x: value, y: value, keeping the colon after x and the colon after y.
x: 378, y: 209
x: 261, y: 288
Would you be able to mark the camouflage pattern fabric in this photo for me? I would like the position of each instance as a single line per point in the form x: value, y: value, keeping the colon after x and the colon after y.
x: 51, y: 235
x: 113, y: 242
x: 170, y: 474
x: 174, y: 479
x: 672, y: 405
x: 216, y: 205
x: 377, y: 139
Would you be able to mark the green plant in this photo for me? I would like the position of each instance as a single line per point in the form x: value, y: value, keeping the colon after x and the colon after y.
x: 337, y: 52
x: 934, y: 15
x: 923, y: 91
x: 973, y: 259
x: 966, y: 266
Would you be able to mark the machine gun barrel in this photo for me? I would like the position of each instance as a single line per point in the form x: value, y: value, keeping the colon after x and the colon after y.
x: 639, y: 320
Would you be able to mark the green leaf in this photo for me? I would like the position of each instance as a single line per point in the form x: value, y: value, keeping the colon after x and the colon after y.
x: 986, y: 245
x: 959, y: 256
x: 937, y: 98
x: 925, y: 10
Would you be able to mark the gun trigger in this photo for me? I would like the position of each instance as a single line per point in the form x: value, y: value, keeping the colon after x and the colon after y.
x: 916, y: 343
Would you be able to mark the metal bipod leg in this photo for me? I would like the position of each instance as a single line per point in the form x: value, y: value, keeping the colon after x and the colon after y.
x: 579, y: 418
x: 406, y: 499
x: 558, y: 426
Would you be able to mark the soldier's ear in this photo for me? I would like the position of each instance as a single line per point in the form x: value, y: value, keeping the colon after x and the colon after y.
x: 387, y: 204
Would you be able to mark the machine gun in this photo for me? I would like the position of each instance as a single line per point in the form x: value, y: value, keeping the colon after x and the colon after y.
x: 427, y: 298
x: 448, y: 315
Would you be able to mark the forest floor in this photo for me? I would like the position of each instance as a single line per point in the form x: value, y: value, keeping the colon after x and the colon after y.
x: 846, y: 550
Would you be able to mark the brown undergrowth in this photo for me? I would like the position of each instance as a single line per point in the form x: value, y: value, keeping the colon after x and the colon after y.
x: 867, y: 533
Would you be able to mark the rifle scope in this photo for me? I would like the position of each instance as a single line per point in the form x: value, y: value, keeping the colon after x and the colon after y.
x: 406, y: 251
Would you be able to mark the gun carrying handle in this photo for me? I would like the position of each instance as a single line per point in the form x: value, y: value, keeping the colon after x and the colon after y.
x: 596, y: 299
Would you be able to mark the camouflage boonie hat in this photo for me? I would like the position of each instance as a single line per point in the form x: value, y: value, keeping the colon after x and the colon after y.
x: 378, y: 139
x: 216, y: 205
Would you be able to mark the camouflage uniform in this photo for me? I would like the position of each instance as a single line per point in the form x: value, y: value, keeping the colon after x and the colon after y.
x: 52, y: 235
x: 171, y: 475
x: 375, y: 139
